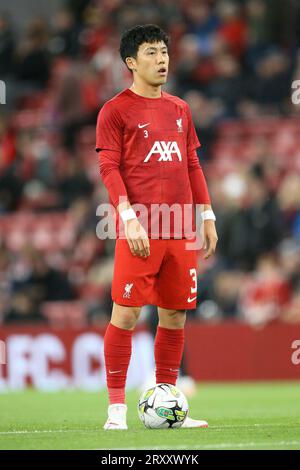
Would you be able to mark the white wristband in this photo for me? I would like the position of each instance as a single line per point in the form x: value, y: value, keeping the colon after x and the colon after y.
x: 208, y: 215
x: 128, y: 214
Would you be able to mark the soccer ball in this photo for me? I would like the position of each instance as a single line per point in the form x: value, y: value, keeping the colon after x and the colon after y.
x: 163, y: 406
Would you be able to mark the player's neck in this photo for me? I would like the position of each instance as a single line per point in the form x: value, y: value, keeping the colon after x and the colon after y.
x: 145, y: 90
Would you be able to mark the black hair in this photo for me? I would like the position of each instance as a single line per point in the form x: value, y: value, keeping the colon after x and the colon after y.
x: 132, y: 38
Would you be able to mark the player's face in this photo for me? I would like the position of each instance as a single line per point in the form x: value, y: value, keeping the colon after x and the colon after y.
x: 152, y: 63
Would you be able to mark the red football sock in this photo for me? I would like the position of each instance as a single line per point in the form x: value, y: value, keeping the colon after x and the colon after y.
x: 168, y: 350
x: 117, y: 352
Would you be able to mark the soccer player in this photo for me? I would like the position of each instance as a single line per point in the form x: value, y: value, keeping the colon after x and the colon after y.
x: 147, y: 144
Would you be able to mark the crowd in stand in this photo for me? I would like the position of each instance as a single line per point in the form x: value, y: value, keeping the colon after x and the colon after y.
x: 234, y: 63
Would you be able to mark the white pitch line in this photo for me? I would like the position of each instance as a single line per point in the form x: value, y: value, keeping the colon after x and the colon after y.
x: 251, y: 444
x: 43, y: 431
x: 214, y: 428
x: 254, y: 425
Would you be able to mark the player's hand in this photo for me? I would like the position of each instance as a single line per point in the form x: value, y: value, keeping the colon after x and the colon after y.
x: 210, y: 238
x: 137, y: 238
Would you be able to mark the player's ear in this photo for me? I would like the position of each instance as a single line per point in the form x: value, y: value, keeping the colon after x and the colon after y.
x: 131, y: 63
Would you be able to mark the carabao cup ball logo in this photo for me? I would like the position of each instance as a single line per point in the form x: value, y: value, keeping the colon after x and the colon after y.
x: 165, y: 413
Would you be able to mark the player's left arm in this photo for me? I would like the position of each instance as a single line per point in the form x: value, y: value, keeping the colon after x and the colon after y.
x: 199, y: 188
x: 201, y: 197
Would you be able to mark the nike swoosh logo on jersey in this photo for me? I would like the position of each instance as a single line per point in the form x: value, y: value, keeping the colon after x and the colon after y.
x: 114, y: 371
x: 191, y: 299
x: 140, y: 126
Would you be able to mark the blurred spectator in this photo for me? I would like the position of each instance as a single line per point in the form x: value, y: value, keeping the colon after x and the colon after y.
x: 32, y: 66
x: 73, y: 183
x: 98, y: 29
x: 289, y: 257
x: 112, y: 75
x: 289, y: 201
x: 78, y: 8
x: 253, y: 229
x: 65, y: 35
x: 228, y: 83
x: 68, y: 106
x: 83, y: 212
x: 23, y: 310
x: 99, y: 312
x: 10, y: 190
x: 206, y: 114
x: 266, y: 293
x: 43, y: 282
x: 227, y: 285
x: 188, y: 65
x: 91, y: 94
x: 271, y: 83
x: 232, y: 29
x: 7, y: 47
x: 204, y: 23
x: 8, y: 150
x: 258, y: 27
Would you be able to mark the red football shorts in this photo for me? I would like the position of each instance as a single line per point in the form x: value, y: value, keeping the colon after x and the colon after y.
x: 167, y: 278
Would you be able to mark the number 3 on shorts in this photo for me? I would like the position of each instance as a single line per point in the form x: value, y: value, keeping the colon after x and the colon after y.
x: 193, y: 273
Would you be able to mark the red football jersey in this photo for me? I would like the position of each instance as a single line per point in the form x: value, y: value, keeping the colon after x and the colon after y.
x: 151, y: 140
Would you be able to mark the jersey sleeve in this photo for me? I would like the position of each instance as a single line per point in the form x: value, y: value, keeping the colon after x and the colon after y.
x: 109, y: 130
x: 192, y: 138
x: 109, y: 163
x: 197, y: 179
x: 109, y: 135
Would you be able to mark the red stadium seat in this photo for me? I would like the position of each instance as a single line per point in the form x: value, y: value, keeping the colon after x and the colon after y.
x: 49, y: 232
x: 91, y: 291
x: 63, y: 314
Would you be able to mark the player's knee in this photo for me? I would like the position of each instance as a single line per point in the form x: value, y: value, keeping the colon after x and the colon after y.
x: 179, y: 318
x: 173, y: 318
x: 125, y: 317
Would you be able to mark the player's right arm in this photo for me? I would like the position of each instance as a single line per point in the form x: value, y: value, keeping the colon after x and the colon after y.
x: 109, y: 136
x: 135, y: 233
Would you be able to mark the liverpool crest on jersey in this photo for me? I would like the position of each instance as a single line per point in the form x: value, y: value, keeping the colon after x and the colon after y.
x: 179, y: 125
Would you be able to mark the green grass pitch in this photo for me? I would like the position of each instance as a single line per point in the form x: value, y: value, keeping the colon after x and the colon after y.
x: 241, y: 416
